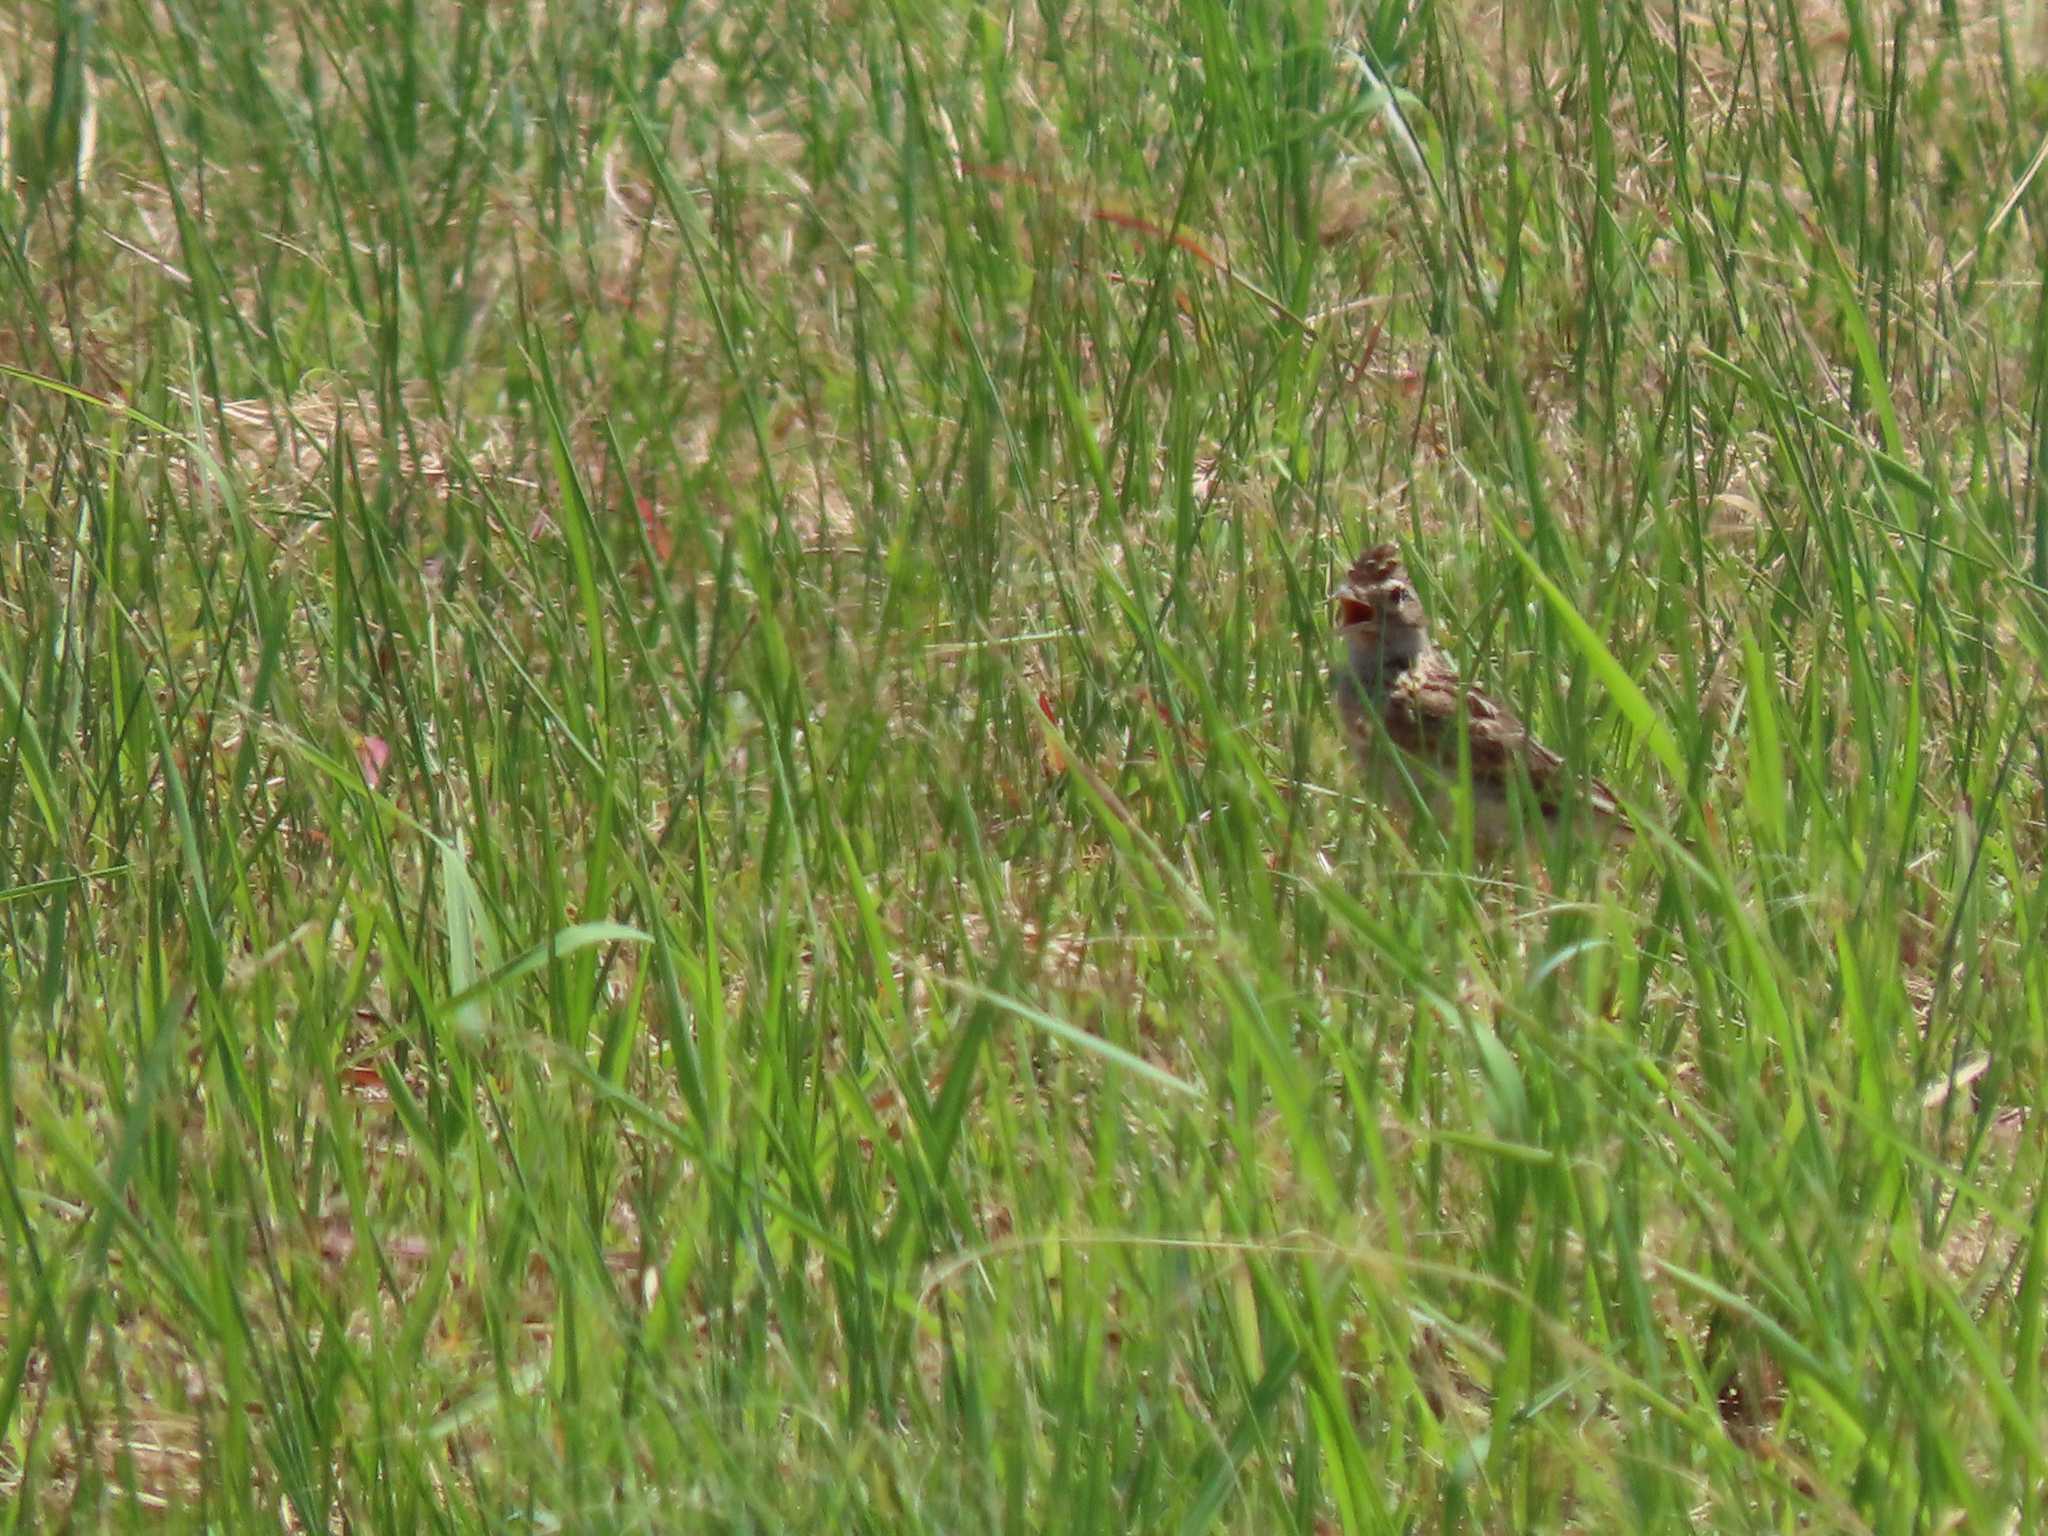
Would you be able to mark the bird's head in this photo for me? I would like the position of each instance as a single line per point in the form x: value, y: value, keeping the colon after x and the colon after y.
x: 1377, y: 609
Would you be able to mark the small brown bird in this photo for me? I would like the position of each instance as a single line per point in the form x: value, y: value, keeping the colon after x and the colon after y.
x: 1396, y: 688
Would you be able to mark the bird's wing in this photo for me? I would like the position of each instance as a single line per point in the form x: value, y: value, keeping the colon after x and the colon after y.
x: 1422, y: 719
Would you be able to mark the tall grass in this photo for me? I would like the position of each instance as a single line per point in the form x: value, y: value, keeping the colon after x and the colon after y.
x: 672, y: 855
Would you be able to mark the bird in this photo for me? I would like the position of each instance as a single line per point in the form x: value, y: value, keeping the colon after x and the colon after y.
x: 1401, y: 700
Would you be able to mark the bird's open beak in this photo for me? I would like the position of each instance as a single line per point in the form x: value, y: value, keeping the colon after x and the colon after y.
x: 1351, y: 608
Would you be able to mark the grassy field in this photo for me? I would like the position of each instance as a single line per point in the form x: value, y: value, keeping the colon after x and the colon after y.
x: 672, y: 851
